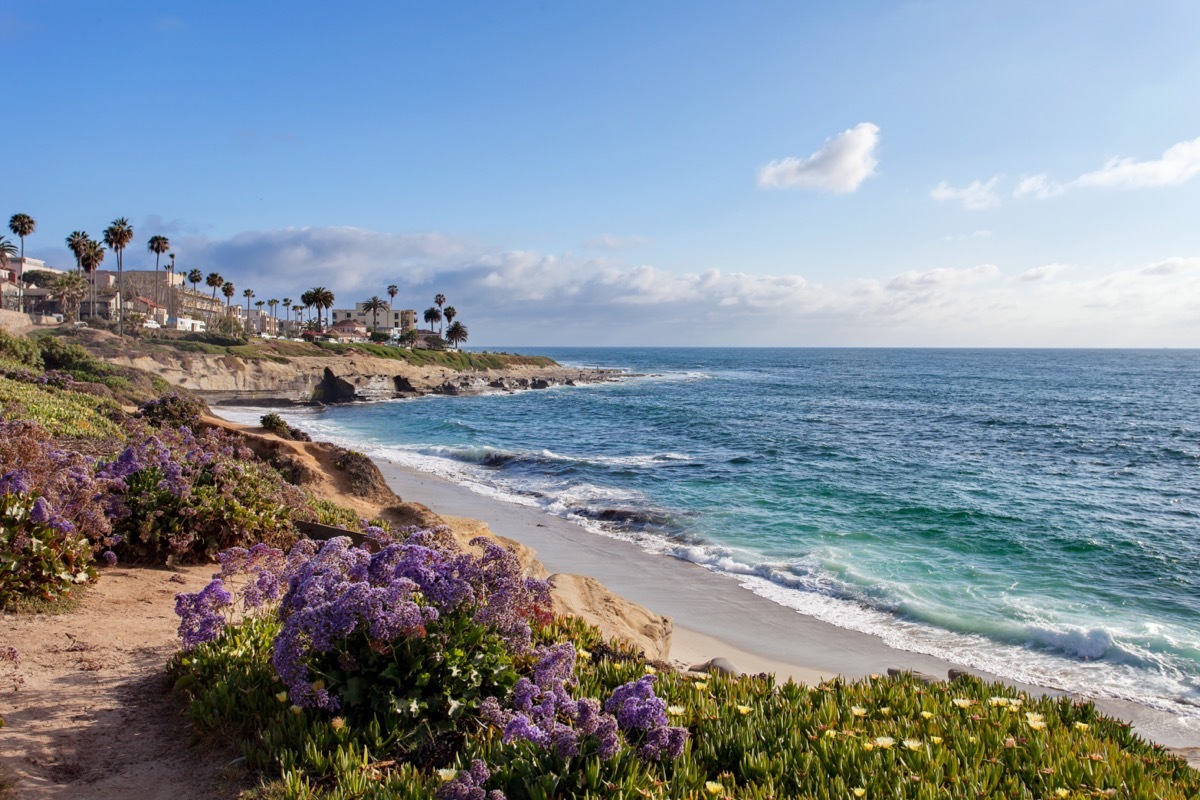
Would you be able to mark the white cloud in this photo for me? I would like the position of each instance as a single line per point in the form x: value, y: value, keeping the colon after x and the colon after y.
x: 840, y: 166
x: 1180, y: 163
x: 1038, y: 186
x: 606, y: 241
x: 1043, y: 272
x: 1171, y: 266
x: 914, y: 281
x: 976, y: 196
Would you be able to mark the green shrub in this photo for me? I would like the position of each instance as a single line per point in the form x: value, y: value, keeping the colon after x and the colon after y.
x: 173, y: 410
x: 278, y: 426
x: 60, y: 411
x: 42, y: 555
x: 20, y: 349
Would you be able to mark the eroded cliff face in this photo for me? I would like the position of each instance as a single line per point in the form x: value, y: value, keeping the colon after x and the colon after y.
x: 339, y: 379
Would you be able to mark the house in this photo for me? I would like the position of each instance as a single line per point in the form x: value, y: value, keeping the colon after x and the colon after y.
x: 394, y: 321
x: 348, y: 330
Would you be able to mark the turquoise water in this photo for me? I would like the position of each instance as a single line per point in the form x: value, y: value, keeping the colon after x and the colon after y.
x: 1033, y: 513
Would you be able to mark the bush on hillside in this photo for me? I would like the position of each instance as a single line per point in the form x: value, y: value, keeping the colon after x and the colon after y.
x: 278, y: 426
x: 20, y: 349
x: 173, y: 410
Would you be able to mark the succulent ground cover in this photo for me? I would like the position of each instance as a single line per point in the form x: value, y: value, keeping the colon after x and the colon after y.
x: 389, y: 674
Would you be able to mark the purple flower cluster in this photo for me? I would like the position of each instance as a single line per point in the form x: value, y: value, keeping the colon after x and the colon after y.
x: 637, y: 708
x: 342, y: 590
x: 541, y: 711
x: 468, y: 785
x: 203, y: 614
x: 265, y: 565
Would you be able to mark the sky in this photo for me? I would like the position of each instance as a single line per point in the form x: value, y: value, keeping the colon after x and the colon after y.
x: 892, y: 174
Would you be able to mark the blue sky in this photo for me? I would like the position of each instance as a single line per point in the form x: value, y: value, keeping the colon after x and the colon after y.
x: 884, y: 174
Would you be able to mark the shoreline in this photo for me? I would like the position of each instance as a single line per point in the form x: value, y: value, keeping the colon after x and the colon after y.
x: 714, y: 616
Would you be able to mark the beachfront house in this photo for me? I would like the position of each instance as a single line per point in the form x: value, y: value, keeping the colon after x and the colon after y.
x: 391, y: 321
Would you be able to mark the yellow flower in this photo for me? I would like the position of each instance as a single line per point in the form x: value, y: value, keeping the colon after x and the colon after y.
x: 675, y: 711
x: 744, y: 710
x: 858, y: 711
x: 885, y: 710
x: 963, y: 702
x: 972, y: 740
x: 281, y: 697
x: 1037, y: 724
x: 1033, y: 717
x: 297, y: 710
x: 868, y: 746
x: 1062, y: 792
x: 998, y: 701
x: 318, y: 685
x: 927, y: 715
x: 337, y: 723
x: 700, y: 686
x: 884, y: 741
x: 830, y: 732
x: 583, y: 653
x: 860, y: 791
x: 650, y: 670
x: 912, y: 744
x: 1081, y: 726
x: 935, y: 739
x: 712, y: 787
x: 447, y: 774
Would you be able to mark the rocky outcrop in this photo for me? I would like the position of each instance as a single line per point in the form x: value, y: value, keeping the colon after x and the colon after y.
x: 339, y: 379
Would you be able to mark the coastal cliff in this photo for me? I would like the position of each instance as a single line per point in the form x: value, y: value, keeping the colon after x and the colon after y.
x: 338, y: 379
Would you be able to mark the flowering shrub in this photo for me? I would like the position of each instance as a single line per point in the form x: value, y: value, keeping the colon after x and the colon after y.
x: 178, y: 494
x: 60, y: 410
x: 173, y: 410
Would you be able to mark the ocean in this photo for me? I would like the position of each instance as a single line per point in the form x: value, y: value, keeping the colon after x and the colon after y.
x: 1032, y: 513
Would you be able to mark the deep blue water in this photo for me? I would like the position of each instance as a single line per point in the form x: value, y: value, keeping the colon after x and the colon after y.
x: 1034, y: 513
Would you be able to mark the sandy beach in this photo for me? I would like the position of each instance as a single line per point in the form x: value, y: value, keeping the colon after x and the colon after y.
x: 714, y: 616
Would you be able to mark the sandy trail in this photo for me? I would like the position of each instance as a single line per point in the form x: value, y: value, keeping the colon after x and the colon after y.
x: 94, y: 717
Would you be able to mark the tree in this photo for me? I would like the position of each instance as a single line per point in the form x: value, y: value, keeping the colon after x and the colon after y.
x: 214, y: 280
x: 136, y: 320
x: 38, y: 277
x: 157, y: 245
x: 392, y: 290
x: 22, y: 225
x: 374, y: 305
x: 227, y: 290
x: 248, y: 293
x: 7, y: 250
x: 287, y: 308
x: 171, y: 286
x: 432, y: 316
x: 194, y: 277
x: 456, y: 334
x: 91, y: 259
x: 69, y: 288
x: 117, y: 236
x: 76, y: 243
x: 450, y: 313
x: 271, y: 304
x: 409, y: 337
x: 439, y: 300
x: 319, y: 298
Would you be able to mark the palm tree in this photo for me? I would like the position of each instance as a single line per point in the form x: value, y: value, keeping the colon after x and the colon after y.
x: 117, y: 236
x: 374, y: 305
x: 69, y: 288
x: 194, y: 277
x: 75, y: 243
x: 171, y: 285
x: 456, y: 334
x: 450, y: 313
x: 157, y: 245
x: 214, y: 280
x: 432, y: 316
x: 7, y: 250
x: 22, y: 225
x: 227, y: 290
x: 248, y: 293
x: 91, y: 258
x: 439, y: 300
x: 271, y: 304
x: 392, y: 290
x: 319, y: 298
x: 287, y: 308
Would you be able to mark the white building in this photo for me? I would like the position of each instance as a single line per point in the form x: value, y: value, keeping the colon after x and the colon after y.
x: 390, y: 320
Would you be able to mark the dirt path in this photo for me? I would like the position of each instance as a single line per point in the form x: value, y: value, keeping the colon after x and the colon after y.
x: 94, y: 717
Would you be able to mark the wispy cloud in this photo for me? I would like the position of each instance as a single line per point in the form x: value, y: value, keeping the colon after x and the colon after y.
x: 914, y: 280
x: 1178, y: 164
x: 840, y: 166
x: 1044, y: 272
x: 1171, y: 266
x: 606, y: 241
x: 975, y: 196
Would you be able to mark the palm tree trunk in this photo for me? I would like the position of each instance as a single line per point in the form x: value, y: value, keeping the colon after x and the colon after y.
x: 120, y: 295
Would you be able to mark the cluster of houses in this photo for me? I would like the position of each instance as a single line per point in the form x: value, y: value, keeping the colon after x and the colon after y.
x: 167, y: 301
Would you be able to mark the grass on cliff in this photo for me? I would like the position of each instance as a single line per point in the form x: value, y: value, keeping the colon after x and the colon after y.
x: 453, y: 359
